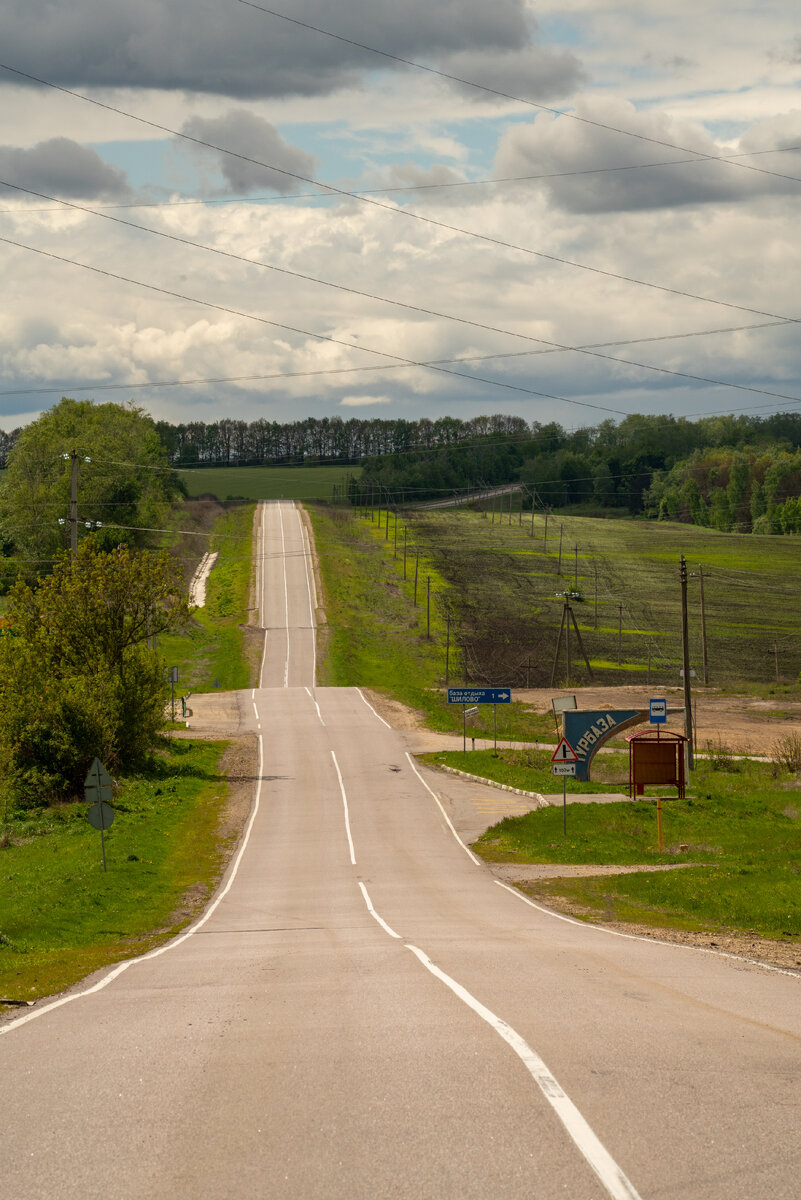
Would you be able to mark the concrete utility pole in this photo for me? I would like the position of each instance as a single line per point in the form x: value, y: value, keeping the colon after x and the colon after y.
x: 685, y: 656
x: 73, y: 503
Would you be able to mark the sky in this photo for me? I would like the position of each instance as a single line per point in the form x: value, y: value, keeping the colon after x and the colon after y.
x: 571, y: 212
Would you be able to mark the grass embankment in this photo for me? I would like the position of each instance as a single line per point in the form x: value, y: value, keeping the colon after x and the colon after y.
x: 211, y: 653
x: 375, y: 635
x: 743, y: 823
x: 62, y: 917
x: 266, y: 483
x: 505, y: 584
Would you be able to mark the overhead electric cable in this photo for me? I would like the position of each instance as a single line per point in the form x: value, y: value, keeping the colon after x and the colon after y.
x: 63, y: 388
x: 392, y: 189
x: 403, y: 212
x: 416, y: 308
x: 557, y: 112
x: 305, y: 332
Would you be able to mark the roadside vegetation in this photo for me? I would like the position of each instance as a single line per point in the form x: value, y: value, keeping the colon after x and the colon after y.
x: 738, y: 829
x: 62, y: 917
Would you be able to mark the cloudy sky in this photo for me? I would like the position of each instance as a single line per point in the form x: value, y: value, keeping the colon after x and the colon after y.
x: 567, y: 212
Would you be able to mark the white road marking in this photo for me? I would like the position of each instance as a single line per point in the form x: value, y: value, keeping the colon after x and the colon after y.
x: 637, y: 937
x: 466, y: 849
x: 372, y: 710
x: 373, y: 913
x: 286, y: 593
x: 171, y: 945
x: 610, y: 1174
x: 316, y: 705
x: 345, y: 805
x: 312, y: 600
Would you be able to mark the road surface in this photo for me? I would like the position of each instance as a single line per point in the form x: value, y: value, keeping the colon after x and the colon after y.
x: 364, y: 1011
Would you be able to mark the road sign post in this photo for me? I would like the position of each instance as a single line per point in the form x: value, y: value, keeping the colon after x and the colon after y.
x: 493, y: 696
x: 564, y: 759
x: 99, y: 790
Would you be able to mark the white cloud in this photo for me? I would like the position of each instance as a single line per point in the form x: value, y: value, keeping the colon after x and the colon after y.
x: 363, y: 401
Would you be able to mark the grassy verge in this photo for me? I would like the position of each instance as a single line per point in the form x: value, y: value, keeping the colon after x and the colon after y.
x: 212, y: 652
x: 741, y: 824
x: 530, y: 770
x: 63, y: 917
x: 376, y: 637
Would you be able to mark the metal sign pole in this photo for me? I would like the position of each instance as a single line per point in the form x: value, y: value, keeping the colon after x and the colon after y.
x: 564, y: 805
x: 495, y: 729
x: 102, y: 835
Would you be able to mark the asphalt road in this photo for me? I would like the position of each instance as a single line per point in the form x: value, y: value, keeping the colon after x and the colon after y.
x: 365, y: 1012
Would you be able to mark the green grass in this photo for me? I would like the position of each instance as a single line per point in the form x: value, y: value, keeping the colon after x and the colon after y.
x: 530, y: 770
x: 375, y: 636
x: 504, y: 586
x: 743, y: 824
x: 63, y: 917
x: 211, y: 651
x: 265, y: 483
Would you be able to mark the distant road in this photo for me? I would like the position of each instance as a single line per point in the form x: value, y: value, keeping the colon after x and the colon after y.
x: 365, y: 1012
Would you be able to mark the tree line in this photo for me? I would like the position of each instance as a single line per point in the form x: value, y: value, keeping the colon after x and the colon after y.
x: 729, y: 472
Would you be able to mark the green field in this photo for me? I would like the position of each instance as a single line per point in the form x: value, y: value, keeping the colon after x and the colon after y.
x: 504, y: 587
x: 265, y: 483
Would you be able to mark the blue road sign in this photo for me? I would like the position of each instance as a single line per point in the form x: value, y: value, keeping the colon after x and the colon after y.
x: 658, y: 711
x: 479, y: 695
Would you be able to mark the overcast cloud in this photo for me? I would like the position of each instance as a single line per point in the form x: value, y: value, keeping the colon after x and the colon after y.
x: 248, y: 293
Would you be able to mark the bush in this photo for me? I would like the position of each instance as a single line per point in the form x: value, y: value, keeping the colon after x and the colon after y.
x: 786, y: 752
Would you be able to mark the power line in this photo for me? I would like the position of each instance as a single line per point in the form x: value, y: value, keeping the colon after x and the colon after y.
x: 307, y: 333
x: 393, y: 189
x: 416, y: 308
x: 404, y: 212
x: 557, y: 112
x: 158, y: 383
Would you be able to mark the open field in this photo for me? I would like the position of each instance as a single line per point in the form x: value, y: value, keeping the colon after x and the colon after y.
x: 505, y: 583
x: 265, y: 483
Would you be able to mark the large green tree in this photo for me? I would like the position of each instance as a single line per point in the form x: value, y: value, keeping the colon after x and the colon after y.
x: 78, y: 677
x: 125, y: 481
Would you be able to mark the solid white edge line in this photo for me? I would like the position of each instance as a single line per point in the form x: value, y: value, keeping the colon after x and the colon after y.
x: 171, y: 945
x: 304, y: 538
x: 466, y: 849
x: 262, y: 567
x: 286, y: 592
x: 374, y: 914
x: 316, y: 705
x: 372, y: 710
x: 638, y: 937
x: 598, y: 1157
x: 347, y: 814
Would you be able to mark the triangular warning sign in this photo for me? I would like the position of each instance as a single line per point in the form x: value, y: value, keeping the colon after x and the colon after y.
x: 564, y: 752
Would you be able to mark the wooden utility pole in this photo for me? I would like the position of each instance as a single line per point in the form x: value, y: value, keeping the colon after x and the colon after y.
x: 428, y: 608
x: 619, y: 634
x: 575, y: 578
x: 416, y: 568
x: 447, y: 646
x: 404, y: 551
x: 703, y: 626
x: 545, y: 538
x: 685, y: 657
x: 596, y: 594
x: 533, y: 499
x: 561, y: 533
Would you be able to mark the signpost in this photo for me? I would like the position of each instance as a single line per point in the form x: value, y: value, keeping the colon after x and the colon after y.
x: 99, y: 790
x: 658, y: 711
x: 472, y: 696
x: 564, y: 759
